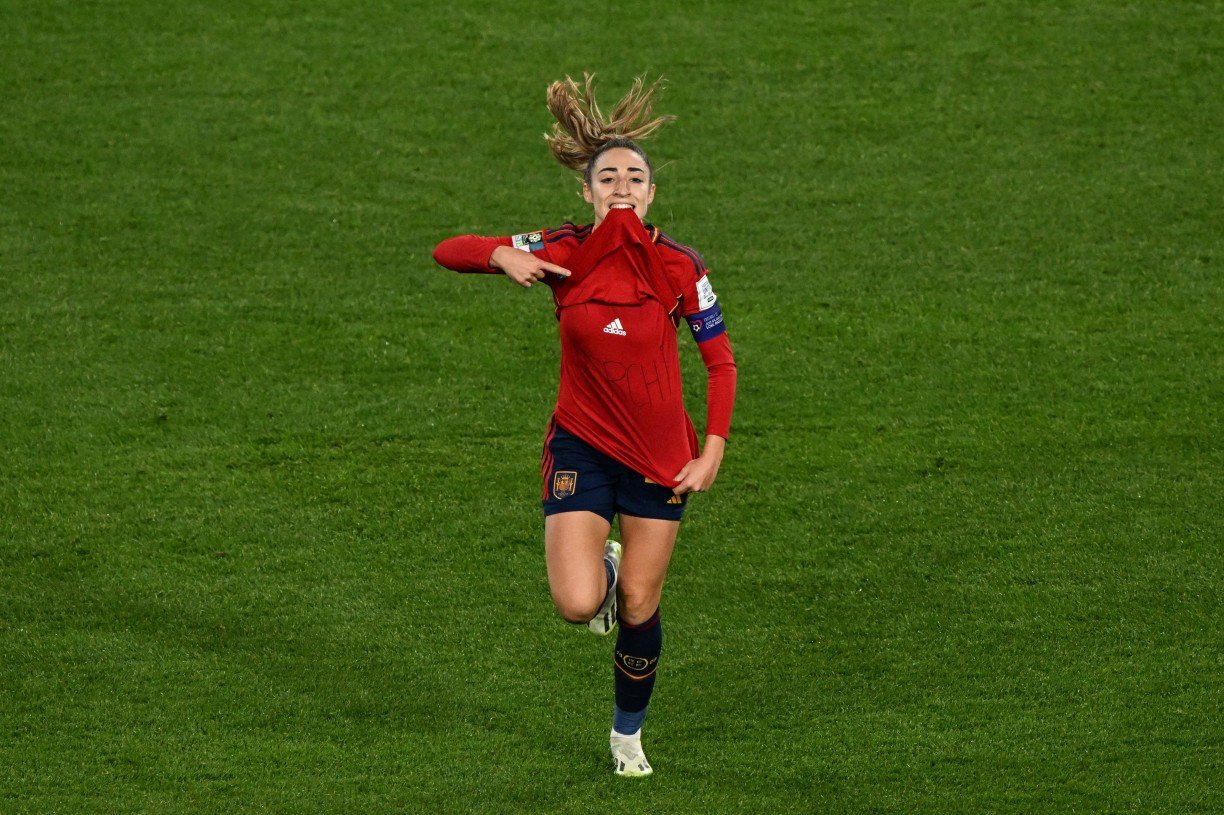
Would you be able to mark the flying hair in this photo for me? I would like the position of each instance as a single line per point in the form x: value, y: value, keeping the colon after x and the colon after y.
x: 582, y: 131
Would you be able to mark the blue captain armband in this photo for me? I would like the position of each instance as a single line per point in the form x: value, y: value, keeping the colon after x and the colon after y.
x: 708, y: 324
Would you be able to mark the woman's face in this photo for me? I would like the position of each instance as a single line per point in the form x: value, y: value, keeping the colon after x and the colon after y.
x: 620, y: 179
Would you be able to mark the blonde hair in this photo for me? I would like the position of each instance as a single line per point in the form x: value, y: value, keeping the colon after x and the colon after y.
x: 582, y: 132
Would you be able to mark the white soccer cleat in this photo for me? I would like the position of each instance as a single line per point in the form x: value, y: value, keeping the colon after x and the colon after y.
x: 605, y: 619
x: 628, y: 755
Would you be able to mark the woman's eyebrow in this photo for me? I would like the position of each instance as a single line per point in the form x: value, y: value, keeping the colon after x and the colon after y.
x: 614, y: 169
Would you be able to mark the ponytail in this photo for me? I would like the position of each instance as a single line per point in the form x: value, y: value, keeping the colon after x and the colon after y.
x: 582, y: 132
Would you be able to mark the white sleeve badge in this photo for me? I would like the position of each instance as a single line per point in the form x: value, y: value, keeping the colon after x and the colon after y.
x: 528, y: 241
x: 705, y: 293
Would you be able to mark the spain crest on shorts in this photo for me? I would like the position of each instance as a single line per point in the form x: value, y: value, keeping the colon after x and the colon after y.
x: 564, y: 483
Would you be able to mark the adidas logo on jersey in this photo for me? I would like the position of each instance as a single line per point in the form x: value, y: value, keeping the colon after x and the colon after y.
x: 615, y: 327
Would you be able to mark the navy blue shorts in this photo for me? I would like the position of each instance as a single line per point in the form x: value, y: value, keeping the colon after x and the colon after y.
x: 579, y: 477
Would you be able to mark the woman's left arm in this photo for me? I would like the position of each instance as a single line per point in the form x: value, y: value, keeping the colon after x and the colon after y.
x: 699, y: 474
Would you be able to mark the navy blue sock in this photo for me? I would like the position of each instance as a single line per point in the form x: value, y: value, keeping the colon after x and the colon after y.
x: 637, y: 659
x: 627, y: 723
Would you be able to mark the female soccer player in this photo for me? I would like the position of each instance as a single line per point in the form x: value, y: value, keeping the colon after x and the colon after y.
x: 619, y: 441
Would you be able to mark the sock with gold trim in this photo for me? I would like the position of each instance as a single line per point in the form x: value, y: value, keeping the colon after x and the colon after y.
x: 637, y: 658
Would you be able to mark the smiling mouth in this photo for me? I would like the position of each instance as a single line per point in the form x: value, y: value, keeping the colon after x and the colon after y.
x: 621, y: 206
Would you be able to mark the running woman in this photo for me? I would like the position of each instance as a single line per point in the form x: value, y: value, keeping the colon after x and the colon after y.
x: 619, y: 442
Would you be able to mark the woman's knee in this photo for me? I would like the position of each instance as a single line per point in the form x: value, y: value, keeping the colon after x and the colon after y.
x: 637, y: 605
x: 576, y: 606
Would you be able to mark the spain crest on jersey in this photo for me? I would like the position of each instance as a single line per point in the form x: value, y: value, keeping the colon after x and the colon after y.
x: 564, y: 483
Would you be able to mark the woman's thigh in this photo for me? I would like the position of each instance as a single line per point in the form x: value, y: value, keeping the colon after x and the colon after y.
x: 573, y: 550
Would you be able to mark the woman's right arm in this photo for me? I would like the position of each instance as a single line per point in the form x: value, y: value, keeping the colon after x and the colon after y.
x: 469, y: 253
x: 473, y: 253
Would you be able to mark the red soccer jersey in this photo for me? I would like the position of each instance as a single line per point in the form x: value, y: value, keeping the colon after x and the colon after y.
x: 620, y: 375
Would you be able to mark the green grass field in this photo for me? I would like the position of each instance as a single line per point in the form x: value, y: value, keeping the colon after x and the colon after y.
x: 269, y: 531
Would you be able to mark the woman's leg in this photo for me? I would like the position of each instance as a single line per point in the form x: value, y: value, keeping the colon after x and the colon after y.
x: 648, y: 546
x: 574, y: 551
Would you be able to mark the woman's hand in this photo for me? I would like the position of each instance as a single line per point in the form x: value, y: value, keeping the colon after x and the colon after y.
x: 522, y: 267
x: 699, y: 474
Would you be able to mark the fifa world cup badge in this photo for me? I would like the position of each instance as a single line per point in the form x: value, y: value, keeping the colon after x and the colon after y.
x: 564, y: 482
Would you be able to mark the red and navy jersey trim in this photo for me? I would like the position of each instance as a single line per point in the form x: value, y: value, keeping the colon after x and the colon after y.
x: 567, y: 231
x: 699, y: 267
x: 546, y: 458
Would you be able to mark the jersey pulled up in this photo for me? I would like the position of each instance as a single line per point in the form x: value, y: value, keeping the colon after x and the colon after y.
x: 620, y: 387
